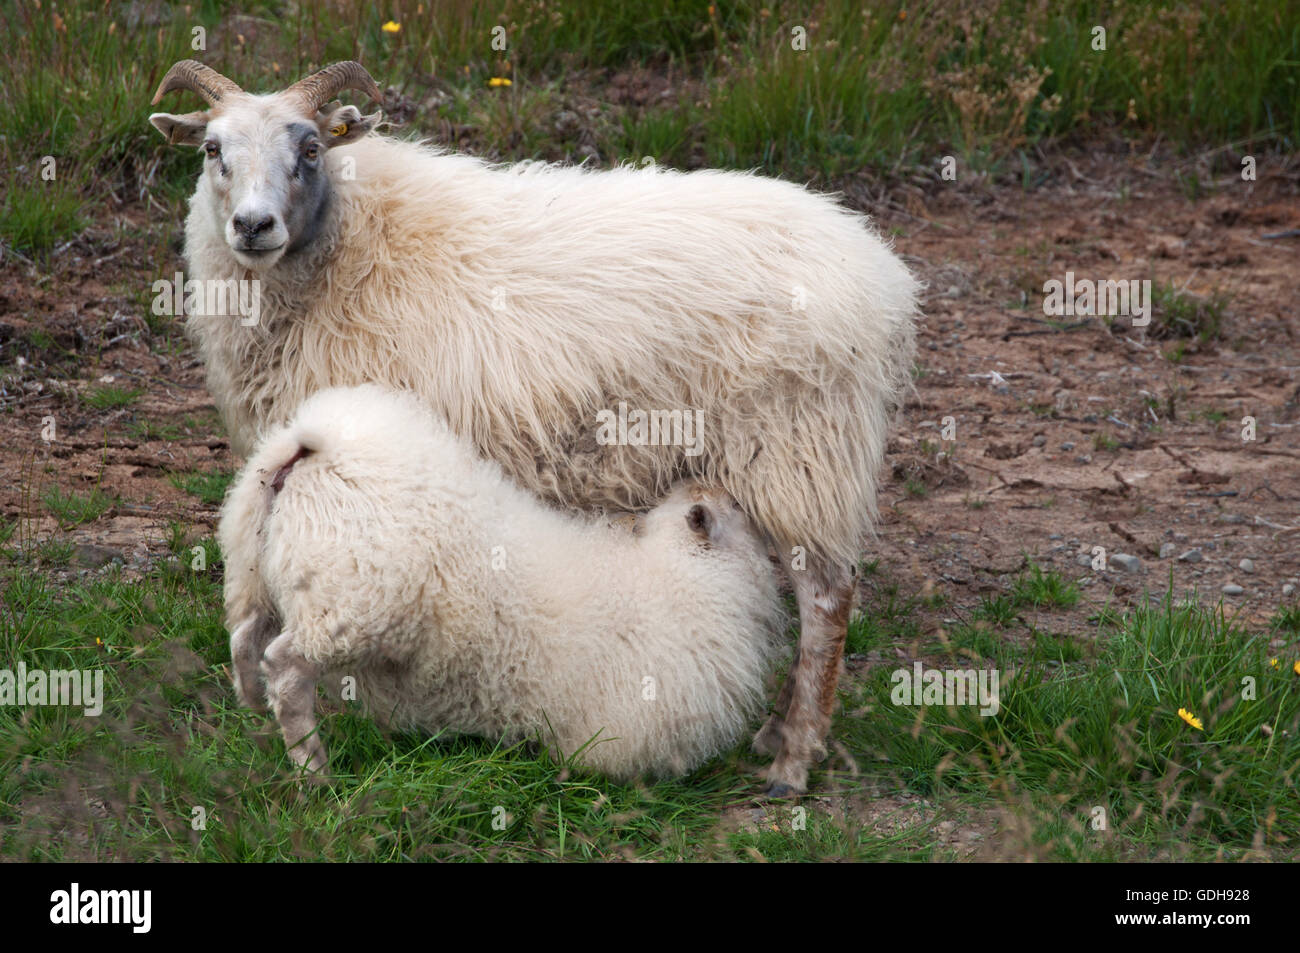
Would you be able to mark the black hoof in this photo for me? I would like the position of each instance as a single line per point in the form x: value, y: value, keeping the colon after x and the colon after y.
x: 776, y: 790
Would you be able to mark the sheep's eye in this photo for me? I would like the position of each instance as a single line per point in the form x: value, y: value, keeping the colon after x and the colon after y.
x: 212, y: 149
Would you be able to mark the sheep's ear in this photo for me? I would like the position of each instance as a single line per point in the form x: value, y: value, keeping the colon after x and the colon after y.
x: 344, y: 124
x: 187, y: 129
x: 700, y: 520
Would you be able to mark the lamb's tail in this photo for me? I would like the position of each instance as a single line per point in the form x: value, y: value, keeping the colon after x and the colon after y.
x: 331, y: 425
x: 242, y: 530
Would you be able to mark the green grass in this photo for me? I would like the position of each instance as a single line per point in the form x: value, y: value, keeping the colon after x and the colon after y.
x: 1033, y: 588
x: 1101, y: 730
x: 1050, y: 647
x: 998, y: 610
x: 1109, y: 734
x: 1043, y: 589
x: 875, y: 87
x: 111, y: 397
x: 162, y: 648
x: 1288, y: 619
x: 36, y: 215
x: 53, y: 553
x: 209, y: 486
x: 73, y: 509
x: 144, y: 430
x: 1177, y: 313
x: 973, y: 641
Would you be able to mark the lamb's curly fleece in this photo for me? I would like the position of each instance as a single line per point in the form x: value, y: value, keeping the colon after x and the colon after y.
x: 519, y: 302
x: 393, y: 553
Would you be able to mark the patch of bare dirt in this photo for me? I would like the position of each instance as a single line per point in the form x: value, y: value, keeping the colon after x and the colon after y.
x: 1095, y: 435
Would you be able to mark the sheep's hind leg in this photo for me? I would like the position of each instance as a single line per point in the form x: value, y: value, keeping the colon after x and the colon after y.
x: 291, y: 686
x: 825, y: 594
x: 248, y: 640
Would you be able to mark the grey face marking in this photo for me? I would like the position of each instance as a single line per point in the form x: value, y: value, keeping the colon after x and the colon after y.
x: 309, y: 194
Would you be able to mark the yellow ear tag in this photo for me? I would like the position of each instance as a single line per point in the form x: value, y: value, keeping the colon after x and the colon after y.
x: 339, y: 130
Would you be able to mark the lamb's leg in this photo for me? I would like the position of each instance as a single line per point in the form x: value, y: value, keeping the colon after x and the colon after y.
x: 248, y: 641
x: 825, y: 594
x: 291, y: 687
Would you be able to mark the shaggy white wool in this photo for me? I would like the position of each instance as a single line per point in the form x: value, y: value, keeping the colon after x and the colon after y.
x: 392, y: 553
x: 520, y: 302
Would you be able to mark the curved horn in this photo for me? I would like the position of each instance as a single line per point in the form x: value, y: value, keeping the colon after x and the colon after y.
x: 193, y: 75
x: 320, y: 87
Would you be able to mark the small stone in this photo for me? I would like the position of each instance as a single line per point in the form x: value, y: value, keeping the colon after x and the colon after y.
x: 1067, y: 446
x: 1040, y: 441
x: 1191, y: 556
x: 1083, y: 458
x: 1232, y: 590
x: 90, y: 556
x: 1231, y: 518
x: 1288, y: 590
x: 1055, y: 536
x: 1167, y: 550
x: 1126, y: 563
x: 1246, y: 565
x: 949, y: 621
x: 1083, y: 559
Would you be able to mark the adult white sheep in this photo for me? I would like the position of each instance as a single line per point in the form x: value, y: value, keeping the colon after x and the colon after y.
x: 523, y: 303
x: 367, y: 539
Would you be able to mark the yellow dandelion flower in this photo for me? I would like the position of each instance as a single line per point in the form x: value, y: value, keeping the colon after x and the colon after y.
x: 1191, y: 719
x: 1296, y: 667
x: 1273, y: 662
x: 498, y: 81
x: 391, y: 27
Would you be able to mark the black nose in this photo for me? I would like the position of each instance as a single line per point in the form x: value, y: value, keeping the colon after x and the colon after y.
x: 251, y: 229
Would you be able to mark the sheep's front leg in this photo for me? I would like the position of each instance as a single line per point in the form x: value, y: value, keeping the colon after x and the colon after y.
x: 768, y: 739
x: 291, y: 688
x: 248, y: 641
x: 825, y: 595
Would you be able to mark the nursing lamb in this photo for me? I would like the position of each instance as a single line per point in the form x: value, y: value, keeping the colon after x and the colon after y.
x: 367, y: 540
